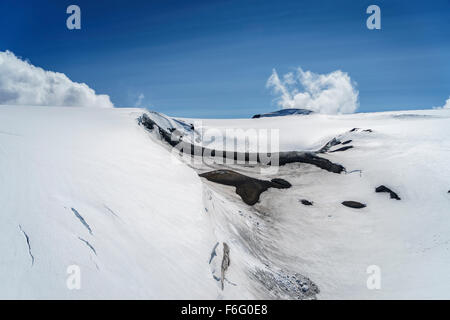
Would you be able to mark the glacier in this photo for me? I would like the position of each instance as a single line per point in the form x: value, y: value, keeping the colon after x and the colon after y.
x: 93, y: 188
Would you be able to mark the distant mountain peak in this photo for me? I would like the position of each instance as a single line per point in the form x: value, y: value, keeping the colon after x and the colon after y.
x: 284, y: 112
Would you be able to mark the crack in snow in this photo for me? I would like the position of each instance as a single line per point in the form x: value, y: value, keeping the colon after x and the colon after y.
x: 110, y: 210
x: 28, y: 244
x: 89, y: 245
x: 213, y: 252
x: 81, y: 220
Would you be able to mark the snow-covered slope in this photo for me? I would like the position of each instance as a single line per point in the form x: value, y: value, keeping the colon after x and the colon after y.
x: 76, y: 180
x: 93, y: 188
x: 334, y: 245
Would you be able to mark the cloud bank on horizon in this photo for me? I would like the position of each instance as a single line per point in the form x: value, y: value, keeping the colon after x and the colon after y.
x: 22, y: 83
x: 332, y: 93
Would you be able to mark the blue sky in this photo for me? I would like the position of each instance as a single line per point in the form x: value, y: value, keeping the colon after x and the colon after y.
x: 213, y: 58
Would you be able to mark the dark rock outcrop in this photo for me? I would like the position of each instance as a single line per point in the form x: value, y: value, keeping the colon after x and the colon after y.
x: 225, y: 262
x: 342, y: 149
x: 354, y: 204
x: 248, y: 188
x: 283, y: 284
x: 283, y: 184
x: 306, y: 202
x: 333, y: 142
x: 383, y: 188
x: 175, y: 139
x: 310, y: 158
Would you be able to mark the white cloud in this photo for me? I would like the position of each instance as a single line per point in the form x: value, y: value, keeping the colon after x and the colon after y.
x: 139, y: 100
x: 21, y: 83
x: 447, y: 104
x: 324, y: 93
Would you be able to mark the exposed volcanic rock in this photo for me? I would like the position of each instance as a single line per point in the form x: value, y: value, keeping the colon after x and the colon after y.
x: 284, y: 284
x: 306, y: 202
x: 281, y: 182
x: 168, y: 136
x: 225, y: 262
x: 354, y: 204
x: 248, y: 188
x: 333, y: 142
x: 383, y: 188
x: 342, y: 149
x: 175, y: 139
x: 311, y: 158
